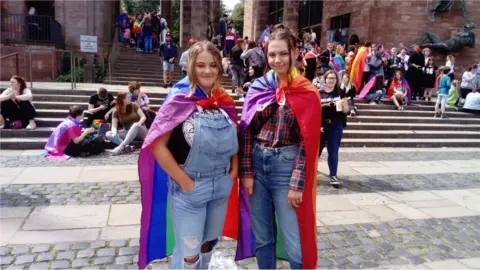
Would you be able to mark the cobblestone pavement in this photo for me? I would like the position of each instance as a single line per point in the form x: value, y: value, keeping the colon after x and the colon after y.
x: 402, y: 242
x: 132, y: 158
x: 129, y: 191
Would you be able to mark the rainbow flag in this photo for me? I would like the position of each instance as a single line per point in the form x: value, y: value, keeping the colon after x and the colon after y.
x: 304, y: 99
x: 156, y: 229
x: 357, y: 67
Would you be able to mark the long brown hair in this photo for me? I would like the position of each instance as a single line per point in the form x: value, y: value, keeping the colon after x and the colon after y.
x: 379, y: 82
x: 281, y: 33
x: 120, y: 105
x: 20, y: 81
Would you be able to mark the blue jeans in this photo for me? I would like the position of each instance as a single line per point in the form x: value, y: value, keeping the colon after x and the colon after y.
x: 332, y: 137
x: 273, y: 169
x: 198, y: 215
x: 148, y: 43
x: 376, y: 96
x: 122, y: 32
x: 139, y: 38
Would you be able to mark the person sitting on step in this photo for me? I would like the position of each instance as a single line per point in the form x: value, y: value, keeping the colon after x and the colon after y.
x: 16, y: 108
x: 99, y: 105
x: 131, y: 118
x: 68, y: 139
x: 141, y: 99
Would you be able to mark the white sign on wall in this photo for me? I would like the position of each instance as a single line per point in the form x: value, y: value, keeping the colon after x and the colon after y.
x: 88, y: 44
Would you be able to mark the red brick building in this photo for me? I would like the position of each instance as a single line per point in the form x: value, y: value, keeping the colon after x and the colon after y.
x: 385, y: 22
x: 58, y: 25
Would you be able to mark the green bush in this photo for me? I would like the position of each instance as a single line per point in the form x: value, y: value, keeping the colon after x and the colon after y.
x: 67, y: 77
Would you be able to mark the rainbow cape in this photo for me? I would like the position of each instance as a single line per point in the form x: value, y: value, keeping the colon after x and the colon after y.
x: 156, y: 231
x: 395, y: 83
x: 338, y: 63
x: 62, y: 135
x: 304, y: 99
x: 357, y: 67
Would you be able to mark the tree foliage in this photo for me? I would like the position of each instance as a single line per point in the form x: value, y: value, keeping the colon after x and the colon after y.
x: 237, y: 17
x: 175, y: 24
x: 140, y: 6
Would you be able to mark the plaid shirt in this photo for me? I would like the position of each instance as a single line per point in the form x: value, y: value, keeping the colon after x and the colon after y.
x: 275, y: 126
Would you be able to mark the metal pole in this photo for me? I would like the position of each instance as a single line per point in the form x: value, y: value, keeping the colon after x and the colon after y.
x: 53, y: 73
x: 16, y: 64
x: 75, y: 71
x: 25, y: 62
x: 30, y: 66
x: 71, y: 68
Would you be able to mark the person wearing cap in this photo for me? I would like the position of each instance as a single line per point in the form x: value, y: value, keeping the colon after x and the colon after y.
x: 168, y: 53
x: 184, y: 58
x: 122, y: 21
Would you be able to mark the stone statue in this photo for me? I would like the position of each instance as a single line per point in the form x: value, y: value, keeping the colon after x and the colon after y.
x: 460, y: 39
x: 446, y: 5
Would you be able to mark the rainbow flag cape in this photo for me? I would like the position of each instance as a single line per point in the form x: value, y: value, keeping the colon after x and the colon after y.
x: 357, y: 67
x: 395, y: 83
x: 156, y: 231
x: 304, y: 99
x: 338, y: 63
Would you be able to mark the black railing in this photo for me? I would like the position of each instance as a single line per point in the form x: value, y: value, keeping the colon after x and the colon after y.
x: 31, y: 29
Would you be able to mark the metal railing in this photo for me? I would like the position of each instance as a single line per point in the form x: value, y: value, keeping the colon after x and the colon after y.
x: 112, y: 59
x: 21, y: 29
x: 17, y: 67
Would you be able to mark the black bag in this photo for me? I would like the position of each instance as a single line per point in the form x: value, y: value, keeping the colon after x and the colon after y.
x: 375, y: 62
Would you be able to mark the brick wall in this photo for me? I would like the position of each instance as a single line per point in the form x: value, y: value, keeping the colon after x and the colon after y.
x: 394, y: 22
x: 255, y: 18
x: 45, y: 62
x: 194, y: 21
x: 290, y: 14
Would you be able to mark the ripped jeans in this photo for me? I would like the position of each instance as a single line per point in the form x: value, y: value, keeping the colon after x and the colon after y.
x: 198, y: 216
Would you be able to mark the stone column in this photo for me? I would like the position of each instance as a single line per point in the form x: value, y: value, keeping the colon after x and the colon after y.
x: 166, y: 10
x: 290, y: 14
x: 185, y: 21
x: 214, y: 14
x: 255, y: 18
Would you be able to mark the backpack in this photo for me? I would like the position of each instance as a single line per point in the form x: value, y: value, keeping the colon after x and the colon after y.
x: 261, y: 60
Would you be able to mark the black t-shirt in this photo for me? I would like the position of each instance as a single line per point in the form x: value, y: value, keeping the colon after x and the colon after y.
x: 235, y: 54
x: 329, y: 109
x: 96, y: 101
x: 182, y: 136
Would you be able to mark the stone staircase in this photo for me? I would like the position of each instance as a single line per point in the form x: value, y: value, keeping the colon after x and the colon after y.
x: 375, y: 126
x: 145, y: 68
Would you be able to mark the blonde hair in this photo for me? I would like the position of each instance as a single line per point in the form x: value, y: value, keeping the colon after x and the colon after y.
x: 454, y: 83
x: 193, y: 53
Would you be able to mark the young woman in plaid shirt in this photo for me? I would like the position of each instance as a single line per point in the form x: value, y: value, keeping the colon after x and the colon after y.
x: 278, y: 157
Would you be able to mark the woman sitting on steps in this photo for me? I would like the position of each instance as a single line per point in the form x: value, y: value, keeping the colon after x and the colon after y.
x: 16, y: 108
x: 131, y: 117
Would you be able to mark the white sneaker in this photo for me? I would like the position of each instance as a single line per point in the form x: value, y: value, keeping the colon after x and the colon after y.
x: 241, y: 99
x: 31, y: 125
x: 2, y: 126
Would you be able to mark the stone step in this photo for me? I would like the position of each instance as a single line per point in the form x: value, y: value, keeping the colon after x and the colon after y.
x: 154, y: 74
x: 408, y: 134
x: 142, y: 68
x: 39, y: 132
x: 412, y: 119
x: 39, y: 143
x: 410, y: 142
x: 411, y: 126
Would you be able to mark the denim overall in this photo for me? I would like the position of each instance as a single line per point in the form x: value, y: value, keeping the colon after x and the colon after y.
x: 198, y: 216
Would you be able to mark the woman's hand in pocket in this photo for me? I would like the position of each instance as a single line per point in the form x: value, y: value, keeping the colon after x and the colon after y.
x: 188, y: 186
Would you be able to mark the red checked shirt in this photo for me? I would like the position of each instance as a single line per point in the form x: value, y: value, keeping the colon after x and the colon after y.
x: 275, y: 126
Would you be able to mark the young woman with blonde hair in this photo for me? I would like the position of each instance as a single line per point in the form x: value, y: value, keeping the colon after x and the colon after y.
x: 188, y: 166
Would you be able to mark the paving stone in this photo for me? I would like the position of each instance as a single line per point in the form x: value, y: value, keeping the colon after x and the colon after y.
x: 134, y: 243
x: 68, y: 255
x: 104, y: 252
x: 103, y: 260
x: 98, y: 244
x: 399, y: 261
x: 24, y: 259
x: 118, y: 243
x: 41, y: 248
x: 6, y: 260
x: 128, y: 251
x: 369, y: 265
x: 341, y: 252
x: 355, y: 259
x: 78, y: 246
x: 117, y: 266
x: 372, y: 256
x: 416, y: 259
x: 124, y: 259
x: 87, y: 253
x: 45, y: 257
x: 324, y: 262
x: 324, y: 245
x: 355, y: 250
x: 20, y: 250
x: 337, y: 260
x: 339, y: 243
x: 39, y: 266
x: 80, y: 263
x: 60, y: 265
